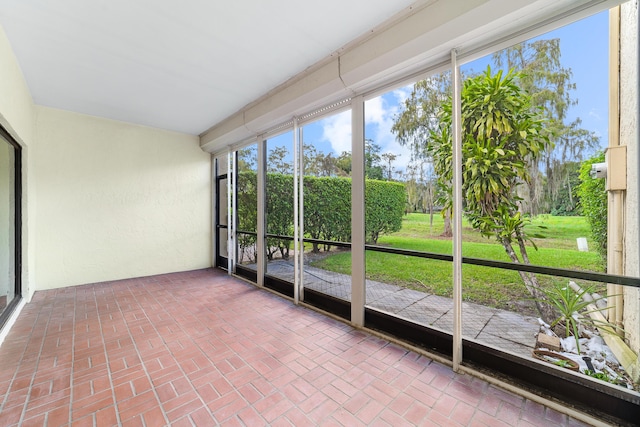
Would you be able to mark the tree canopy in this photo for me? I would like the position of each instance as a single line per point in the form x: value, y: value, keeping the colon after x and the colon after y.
x: 502, y: 132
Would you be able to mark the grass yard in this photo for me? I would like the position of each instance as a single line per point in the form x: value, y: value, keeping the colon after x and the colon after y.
x: 555, y: 238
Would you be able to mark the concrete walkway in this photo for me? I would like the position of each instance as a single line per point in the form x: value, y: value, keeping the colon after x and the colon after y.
x: 501, y: 329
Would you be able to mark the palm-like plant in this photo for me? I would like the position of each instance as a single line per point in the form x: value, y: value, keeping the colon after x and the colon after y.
x: 567, y: 302
x: 501, y: 133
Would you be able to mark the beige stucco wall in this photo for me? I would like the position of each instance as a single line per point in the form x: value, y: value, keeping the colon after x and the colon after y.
x: 629, y: 137
x: 17, y: 114
x: 103, y: 200
x: 117, y: 200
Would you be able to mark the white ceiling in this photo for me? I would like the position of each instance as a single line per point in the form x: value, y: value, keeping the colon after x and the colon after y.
x: 178, y: 65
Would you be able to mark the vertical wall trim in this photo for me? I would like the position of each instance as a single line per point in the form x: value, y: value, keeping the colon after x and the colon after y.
x: 261, y: 217
x: 616, y: 198
x: 457, y: 213
x: 358, y: 278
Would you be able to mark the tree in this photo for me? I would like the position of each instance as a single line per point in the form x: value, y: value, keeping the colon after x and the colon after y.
x: 549, y: 84
x: 567, y: 200
x: 277, y: 161
x: 372, y: 168
x: 389, y: 158
x: 372, y: 159
x: 501, y: 135
x: 417, y: 122
x: 344, y: 164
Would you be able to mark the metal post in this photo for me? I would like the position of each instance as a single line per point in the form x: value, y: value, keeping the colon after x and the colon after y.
x: 457, y: 212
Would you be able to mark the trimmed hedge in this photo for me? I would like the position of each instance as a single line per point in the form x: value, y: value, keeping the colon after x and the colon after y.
x: 385, y: 202
x: 593, y: 200
x: 327, y: 209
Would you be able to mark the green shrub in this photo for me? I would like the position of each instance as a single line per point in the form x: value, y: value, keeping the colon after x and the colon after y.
x: 593, y: 201
x: 385, y: 202
x: 327, y: 209
x: 279, y: 213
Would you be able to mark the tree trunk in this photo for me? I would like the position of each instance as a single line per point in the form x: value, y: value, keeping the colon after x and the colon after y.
x: 447, y: 224
x: 430, y: 217
x: 531, y: 281
x: 570, y: 191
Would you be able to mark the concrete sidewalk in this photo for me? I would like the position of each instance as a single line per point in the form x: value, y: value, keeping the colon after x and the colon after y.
x: 501, y: 329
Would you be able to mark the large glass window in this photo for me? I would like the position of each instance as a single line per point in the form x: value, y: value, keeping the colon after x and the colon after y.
x: 9, y: 225
x: 327, y: 205
x: 406, y: 206
x: 534, y: 120
x: 221, y: 212
x: 247, y: 206
x: 541, y: 237
x: 279, y: 213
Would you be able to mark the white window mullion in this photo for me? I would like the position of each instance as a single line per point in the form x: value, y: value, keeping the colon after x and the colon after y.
x: 457, y: 212
x: 296, y: 222
x: 358, y: 280
x: 300, y: 284
x: 261, y: 183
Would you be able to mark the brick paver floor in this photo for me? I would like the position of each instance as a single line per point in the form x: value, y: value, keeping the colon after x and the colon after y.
x: 200, y: 349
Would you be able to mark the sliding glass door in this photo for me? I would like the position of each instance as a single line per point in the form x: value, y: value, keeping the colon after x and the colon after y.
x: 9, y: 224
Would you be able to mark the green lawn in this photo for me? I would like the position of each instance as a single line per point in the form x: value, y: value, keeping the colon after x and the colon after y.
x: 556, y: 232
x: 494, y: 287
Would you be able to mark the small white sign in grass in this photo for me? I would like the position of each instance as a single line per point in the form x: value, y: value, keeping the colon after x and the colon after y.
x: 582, y: 244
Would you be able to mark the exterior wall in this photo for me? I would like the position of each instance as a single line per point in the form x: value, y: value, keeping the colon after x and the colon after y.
x: 17, y: 116
x: 117, y: 200
x: 629, y: 137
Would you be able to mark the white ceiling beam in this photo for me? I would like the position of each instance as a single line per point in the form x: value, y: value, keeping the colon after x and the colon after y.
x: 422, y: 38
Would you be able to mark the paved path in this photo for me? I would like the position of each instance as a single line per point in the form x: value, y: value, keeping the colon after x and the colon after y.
x: 501, y: 329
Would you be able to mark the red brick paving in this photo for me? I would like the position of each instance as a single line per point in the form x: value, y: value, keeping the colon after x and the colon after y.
x: 200, y: 348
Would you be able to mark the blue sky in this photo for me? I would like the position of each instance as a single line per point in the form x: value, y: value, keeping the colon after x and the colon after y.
x: 584, y: 47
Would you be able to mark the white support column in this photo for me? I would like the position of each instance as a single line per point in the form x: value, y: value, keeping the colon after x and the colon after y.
x: 457, y: 212
x: 358, y: 279
x: 261, y: 217
x: 296, y: 223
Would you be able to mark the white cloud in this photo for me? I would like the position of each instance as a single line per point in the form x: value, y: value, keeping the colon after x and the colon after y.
x: 595, y: 114
x: 403, y: 93
x: 337, y: 131
x: 379, y: 119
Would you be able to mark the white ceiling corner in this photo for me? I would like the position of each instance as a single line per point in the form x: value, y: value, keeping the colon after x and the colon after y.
x: 182, y: 66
